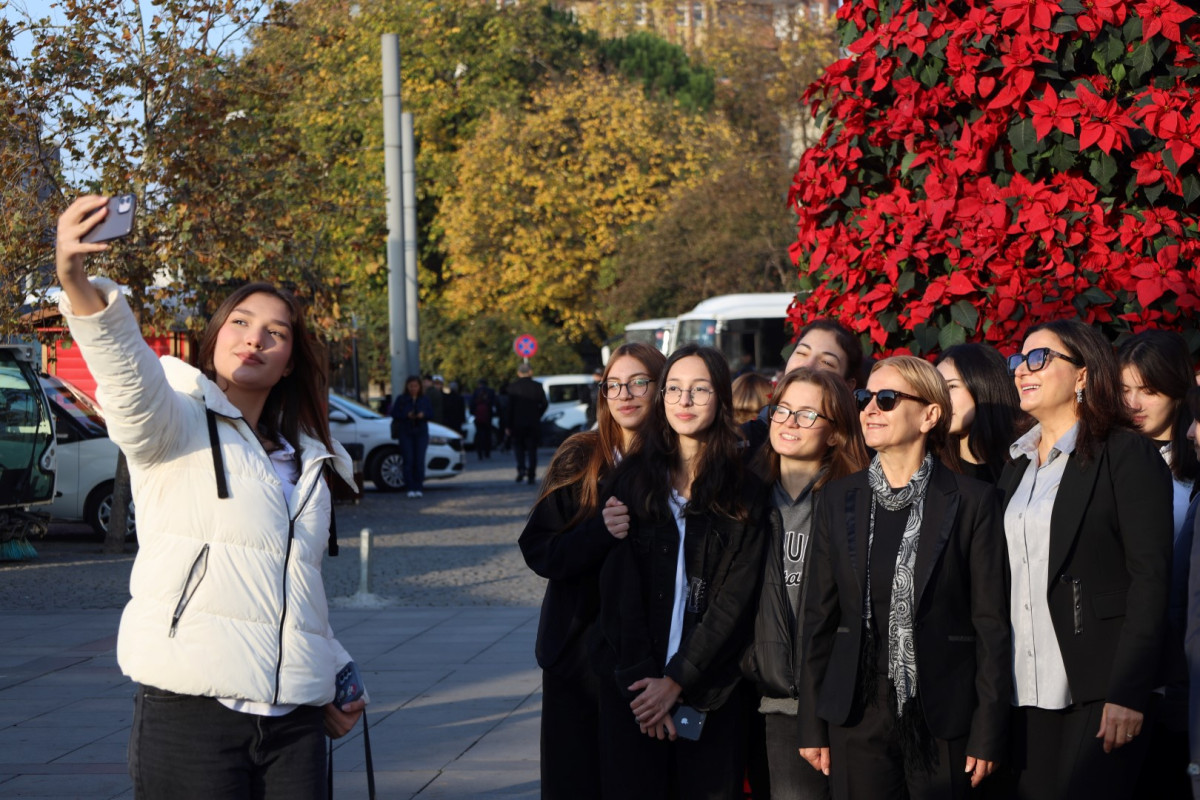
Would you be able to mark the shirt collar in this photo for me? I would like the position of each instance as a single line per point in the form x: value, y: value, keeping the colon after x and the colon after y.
x: 1027, y: 445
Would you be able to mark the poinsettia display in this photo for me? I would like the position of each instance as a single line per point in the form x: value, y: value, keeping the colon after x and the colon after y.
x: 987, y: 164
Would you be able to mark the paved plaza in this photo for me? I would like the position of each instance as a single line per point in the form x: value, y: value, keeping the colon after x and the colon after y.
x: 445, y: 645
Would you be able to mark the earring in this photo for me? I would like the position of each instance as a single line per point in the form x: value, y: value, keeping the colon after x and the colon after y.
x: 1079, y: 395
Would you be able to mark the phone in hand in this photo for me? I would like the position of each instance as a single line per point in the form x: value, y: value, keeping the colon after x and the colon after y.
x: 349, y: 685
x: 689, y: 722
x: 118, y: 223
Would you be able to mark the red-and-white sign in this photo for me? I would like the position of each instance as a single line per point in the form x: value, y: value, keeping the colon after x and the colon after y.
x: 525, y: 346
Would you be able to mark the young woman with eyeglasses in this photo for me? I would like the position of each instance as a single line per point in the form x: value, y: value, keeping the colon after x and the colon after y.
x: 814, y: 439
x: 566, y: 542
x: 987, y: 411
x: 1088, y: 523
x: 904, y: 689
x: 678, y: 594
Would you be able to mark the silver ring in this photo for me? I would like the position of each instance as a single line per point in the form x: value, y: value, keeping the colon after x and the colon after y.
x: 1129, y: 736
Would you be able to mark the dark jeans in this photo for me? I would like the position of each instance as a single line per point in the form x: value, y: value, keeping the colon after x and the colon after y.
x: 483, y: 438
x: 413, y: 446
x: 792, y: 778
x: 570, y: 741
x: 183, y: 747
x: 525, y: 443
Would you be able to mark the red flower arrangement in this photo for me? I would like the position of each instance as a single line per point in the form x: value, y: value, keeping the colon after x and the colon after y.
x: 988, y: 165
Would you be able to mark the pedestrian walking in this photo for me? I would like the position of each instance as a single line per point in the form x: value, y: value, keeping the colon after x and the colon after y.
x: 411, y: 412
x: 523, y: 420
x: 815, y: 438
x: 1088, y: 521
x: 566, y: 542
x: 905, y: 683
x: 226, y: 632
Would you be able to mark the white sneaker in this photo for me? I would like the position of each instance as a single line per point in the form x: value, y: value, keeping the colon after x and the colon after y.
x: 418, y: 494
x: 412, y: 495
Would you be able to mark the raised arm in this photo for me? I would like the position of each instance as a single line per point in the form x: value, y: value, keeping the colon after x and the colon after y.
x: 70, y: 252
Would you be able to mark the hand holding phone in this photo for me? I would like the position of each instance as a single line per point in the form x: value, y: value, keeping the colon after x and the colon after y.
x: 117, y: 223
x: 349, y: 685
x: 689, y: 722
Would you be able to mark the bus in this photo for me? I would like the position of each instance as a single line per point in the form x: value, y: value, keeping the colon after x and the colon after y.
x: 740, y: 324
x: 654, y: 332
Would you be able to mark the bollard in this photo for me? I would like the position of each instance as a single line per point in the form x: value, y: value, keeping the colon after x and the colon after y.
x: 364, y: 562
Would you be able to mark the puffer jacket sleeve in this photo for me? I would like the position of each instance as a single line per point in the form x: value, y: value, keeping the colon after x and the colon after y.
x: 145, y: 417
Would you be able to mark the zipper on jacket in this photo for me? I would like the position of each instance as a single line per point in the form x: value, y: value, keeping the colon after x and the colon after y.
x: 195, y: 575
x: 287, y: 557
x: 1076, y: 601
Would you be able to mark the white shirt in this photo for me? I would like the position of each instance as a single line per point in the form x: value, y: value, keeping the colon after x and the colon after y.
x: 681, y: 582
x: 1039, y: 674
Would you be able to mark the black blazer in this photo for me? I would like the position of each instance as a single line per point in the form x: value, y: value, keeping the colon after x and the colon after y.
x: 962, y: 629
x: 570, y: 557
x: 637, y: 587
x: 1110, y: 567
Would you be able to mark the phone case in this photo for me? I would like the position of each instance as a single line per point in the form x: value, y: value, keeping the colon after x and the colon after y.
x: 689, y: 722
x: 349, y: 685
x: 122, y: 209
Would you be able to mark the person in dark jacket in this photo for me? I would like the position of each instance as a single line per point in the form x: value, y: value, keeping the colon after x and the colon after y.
x: 410, y: 423
x: 484, y: 406
x: 814, y: 438
x: 565, y: 541
x: 523, y: 421
x: 677, y: 595
x: 906, y: 677
x: 454, y: 408
x: 987, y: 412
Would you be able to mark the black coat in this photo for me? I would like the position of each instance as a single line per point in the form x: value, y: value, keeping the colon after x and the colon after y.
x: 1110, y: 568
x: 962, y: 627
x: 570, y: 558
x: 773, y: 659
x: 637, y: 586
x: 526, y: 404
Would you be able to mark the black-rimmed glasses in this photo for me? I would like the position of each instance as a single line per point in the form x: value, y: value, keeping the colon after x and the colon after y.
x: 886, y: 399
x: 1037, y: 359
x: 638, y: 387
x: 805, y: 417
x: 700, y: 395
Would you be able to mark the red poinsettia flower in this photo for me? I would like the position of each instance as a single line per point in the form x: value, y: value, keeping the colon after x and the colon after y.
x: 1052, y: 112
x: 1025, y: 15
x: 1105, y: 125
x: 1098, y: 13
x: 1162, y: 17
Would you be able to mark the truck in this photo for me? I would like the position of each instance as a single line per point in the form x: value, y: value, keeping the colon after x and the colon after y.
x: 27, y: 451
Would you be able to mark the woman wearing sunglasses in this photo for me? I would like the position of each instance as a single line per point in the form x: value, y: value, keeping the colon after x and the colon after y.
x: 987, y: 411
x: 814, y: 439
x: 905, y: 685
x: 1088, y: 523
x: 677, y: 595
x: 566, y: 542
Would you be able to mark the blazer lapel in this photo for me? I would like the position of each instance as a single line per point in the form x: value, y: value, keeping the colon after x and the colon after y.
x: 1070, y: 504
x: 1010, y: 477
x: 858, y: 521
x: 937, y: 522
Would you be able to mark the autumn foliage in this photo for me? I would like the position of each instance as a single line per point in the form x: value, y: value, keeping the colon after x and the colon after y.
x: 986, y: 165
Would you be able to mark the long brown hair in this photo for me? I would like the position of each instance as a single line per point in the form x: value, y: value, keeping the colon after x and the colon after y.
x: 847, y: 454
x: 584, y: 459
x: 298, y: 402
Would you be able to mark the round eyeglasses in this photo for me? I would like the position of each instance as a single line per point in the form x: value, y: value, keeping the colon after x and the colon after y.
x: 886, y: 399
x: 805, y: 417
x: 638, y: 387
x: 1037, y: 359
x: 700, y: 395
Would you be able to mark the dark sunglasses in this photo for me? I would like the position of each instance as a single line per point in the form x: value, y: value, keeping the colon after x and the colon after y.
x: 886, y: 399
x: 1038, y: 358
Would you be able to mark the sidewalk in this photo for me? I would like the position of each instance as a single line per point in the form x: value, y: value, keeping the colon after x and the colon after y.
x: 456, y: 699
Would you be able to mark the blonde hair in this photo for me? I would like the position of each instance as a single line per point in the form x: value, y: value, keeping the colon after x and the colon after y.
x: 750, y: 393
x: 929, y: 385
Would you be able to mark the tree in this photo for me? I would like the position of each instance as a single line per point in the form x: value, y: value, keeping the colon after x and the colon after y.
x: 544, y: 196
x: 482, y: 347
x: 991, y: 165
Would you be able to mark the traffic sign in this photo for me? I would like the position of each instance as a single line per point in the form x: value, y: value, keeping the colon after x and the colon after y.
x: 525, y: 346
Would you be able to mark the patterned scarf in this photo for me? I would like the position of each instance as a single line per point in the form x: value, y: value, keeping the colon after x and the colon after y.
x: 902, y: 654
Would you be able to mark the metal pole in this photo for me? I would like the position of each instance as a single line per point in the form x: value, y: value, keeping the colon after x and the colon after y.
x: 364, y: 561
x: 412, y: 288
x: 393, y: 180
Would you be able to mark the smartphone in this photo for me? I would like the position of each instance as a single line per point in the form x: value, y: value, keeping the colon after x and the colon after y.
x: 118, y: 223
x: 689, y: 722
x: 349, y: 685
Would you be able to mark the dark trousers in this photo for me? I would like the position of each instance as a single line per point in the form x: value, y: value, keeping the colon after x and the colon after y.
x: 483, y: 438
x: 193, y: 748
x: 413, y: 447
x: 1056, y: 756
x: 570, y: 746
x: 525, y: 443
x: 635, y: 766
x: 792, y: 778
x: 1164, y: 772
x: 866, y: 762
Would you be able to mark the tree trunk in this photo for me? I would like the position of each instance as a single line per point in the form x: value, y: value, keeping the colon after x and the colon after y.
x: 114, y: 539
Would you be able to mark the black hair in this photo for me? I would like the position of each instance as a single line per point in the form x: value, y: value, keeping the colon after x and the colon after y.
x: 998, y: 414
x: 1163, y: 361
x: 846, y: 340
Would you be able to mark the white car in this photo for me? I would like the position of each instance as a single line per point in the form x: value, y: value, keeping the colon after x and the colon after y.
x: 87, y: 459
x: 353, y: 423
x: 569, y: 396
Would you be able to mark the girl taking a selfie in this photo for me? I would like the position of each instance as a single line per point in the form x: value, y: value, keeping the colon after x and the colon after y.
x: 227, y: 630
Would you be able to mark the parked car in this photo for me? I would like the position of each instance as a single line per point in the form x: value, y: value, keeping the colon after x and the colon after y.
x: 569, y: 396
x: 354, y: 423
x: 87, y: 459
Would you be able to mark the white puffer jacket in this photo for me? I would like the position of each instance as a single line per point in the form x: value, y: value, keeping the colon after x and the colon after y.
x: 227, y: 597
